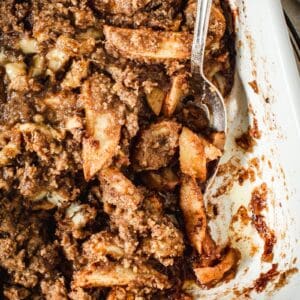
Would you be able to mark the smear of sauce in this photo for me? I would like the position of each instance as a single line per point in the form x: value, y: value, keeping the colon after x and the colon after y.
x: 246, y: 140
x: 284, y: 277
x: 280, y: 278
x: 234, y: 172
x: 257, y: 205
x: 241, y: 214
x: 254, y: 86
x: 261, y: 283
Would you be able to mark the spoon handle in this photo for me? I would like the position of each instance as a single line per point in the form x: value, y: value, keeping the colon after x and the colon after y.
x: 200, y: 34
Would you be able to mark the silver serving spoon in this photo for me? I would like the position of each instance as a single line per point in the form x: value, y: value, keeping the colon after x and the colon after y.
x: 211, y: 99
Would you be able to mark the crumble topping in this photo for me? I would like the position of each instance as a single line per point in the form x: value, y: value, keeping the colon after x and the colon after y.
x: 103, y: 152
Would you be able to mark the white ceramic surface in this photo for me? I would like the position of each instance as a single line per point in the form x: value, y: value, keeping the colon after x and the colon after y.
x: 264, y: 54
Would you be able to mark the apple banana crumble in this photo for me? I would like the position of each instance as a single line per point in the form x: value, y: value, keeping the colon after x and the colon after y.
x: 105, y: 151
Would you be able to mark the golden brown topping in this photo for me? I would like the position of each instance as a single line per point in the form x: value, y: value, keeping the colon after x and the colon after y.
x: 156, y: 146
x: 78, y: 71
x: 9, y: 149
x: 96, y: 92
x: 17, y: 74
x: 98, y: 181
x: 120, y: 294
x: 165, y: 242
x: 120, y: 7
x: 118, y: 190
x: 103, y: 244
x: 65, y: 48
x: 55, y: 289
x: 84, y: 16
x: 74, y: 47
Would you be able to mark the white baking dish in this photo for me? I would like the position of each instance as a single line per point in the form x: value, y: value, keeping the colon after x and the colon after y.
x: 264, y: 54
